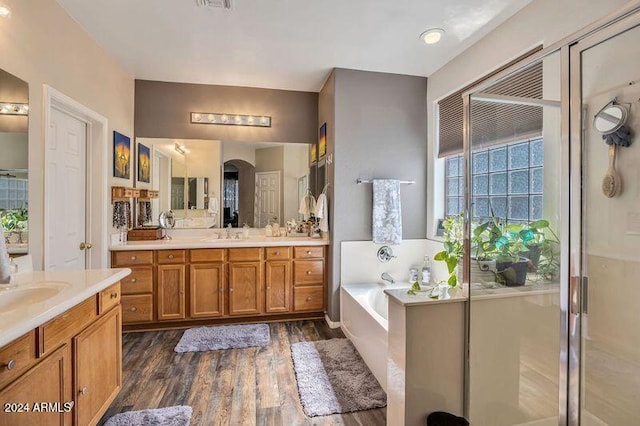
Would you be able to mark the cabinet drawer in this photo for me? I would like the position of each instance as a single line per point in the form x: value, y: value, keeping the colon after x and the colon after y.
x: 17, y: 357
x: 140, y: 280
x: 108, y: 298
x: 171, y: 256
x: 309, y: 252
x: 127, y: 258
x: 64, y: 326
x: 307, y: 272
x: 138, y: 308
x: 207, y: 255
x: 278, y: 253
x: 308, y: 298
x: 245, y: 254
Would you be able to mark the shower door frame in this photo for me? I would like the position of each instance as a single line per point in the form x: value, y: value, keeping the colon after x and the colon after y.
x: 571, y: 273
x: 579, y: 286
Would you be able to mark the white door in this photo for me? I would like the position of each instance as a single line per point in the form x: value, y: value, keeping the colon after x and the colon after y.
x: 267, y: 198
x: 65, y: 186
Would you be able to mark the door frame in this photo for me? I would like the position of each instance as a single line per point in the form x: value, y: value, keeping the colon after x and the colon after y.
x: 97, y: 194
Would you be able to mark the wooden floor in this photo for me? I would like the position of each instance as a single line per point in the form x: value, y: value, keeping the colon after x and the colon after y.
x: 253, y: 386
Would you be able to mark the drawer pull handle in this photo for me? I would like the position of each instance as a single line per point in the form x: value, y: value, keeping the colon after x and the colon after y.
x: 84, y: 391
x: 114, y: 295
x: 308, y: 299
x: 308, y: 272
x: 309, y: 252
x: 10, y: 365
x: 133, y: 280
x: 277, y: 253
x: 133, y: 309
x: 133, y: 257
x: 170, y: 256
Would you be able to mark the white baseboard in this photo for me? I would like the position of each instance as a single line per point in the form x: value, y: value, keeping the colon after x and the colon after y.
x: 331, y: 324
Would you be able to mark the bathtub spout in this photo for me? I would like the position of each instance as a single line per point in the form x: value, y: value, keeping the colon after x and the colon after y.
x: 387, y: 277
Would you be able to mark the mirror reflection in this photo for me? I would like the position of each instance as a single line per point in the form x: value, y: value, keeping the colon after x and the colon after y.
x: 210, y: 184
x: 14, y: 176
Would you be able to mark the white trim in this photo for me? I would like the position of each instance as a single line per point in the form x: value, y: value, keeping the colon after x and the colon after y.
x: 331, y: 324
x: 96, y: 172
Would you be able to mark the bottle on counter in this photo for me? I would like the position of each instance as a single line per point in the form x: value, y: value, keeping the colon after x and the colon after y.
x: 426, y: 271
x: 268, y: 230
x: 413, y: 275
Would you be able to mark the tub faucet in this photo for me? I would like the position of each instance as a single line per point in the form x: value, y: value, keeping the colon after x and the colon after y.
x: 387, y: 277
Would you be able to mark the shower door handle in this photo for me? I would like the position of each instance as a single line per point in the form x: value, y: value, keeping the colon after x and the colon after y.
x: 584, y: 287
x: 574, y: 295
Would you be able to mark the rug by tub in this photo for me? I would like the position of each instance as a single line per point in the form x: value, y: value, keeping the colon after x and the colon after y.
x: 169, y: 416
x: 202, y: 339
x: 333, y: 378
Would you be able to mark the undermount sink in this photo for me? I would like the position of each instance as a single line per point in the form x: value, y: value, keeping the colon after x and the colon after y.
x: 23, y: 296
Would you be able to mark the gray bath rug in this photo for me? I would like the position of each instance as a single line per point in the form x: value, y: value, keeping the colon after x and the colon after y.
x: 202, y: 339
x: 169, y: 416
x: 332, y: 378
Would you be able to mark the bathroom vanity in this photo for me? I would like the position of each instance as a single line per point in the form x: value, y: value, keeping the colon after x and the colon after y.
x: 203, y: 281
x: 60, y: 347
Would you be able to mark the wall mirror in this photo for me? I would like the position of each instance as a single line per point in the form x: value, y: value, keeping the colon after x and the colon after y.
x: 211, y: 184
x: 14, y: 174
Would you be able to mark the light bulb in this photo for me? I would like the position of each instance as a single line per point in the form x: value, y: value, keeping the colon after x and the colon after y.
x: 5, y: 12
x: 211, y: 118
x: 225, y: 118
x: 197, y: 117
x: 432, y: 36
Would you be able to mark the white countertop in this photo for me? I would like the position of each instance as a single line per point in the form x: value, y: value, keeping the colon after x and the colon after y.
x: 209, y: 242
x: 478, y: 292
x: 74, y: 286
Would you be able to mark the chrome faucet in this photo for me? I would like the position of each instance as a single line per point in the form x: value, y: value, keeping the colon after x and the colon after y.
x: 386, y: 277
x: 228, y: 230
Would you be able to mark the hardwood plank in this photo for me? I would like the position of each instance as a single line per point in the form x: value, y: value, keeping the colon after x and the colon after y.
x: 252, y: 386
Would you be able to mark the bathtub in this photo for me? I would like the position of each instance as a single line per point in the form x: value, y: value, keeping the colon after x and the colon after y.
x: 364, y: 320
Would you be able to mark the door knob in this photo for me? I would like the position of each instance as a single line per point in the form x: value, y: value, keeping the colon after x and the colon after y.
x: 10, y: 365
x: 84, y: 391
x: 85, y: 246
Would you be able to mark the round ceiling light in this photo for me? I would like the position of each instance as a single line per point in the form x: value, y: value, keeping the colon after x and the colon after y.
x: 5, y: 12
x: 432, y: 36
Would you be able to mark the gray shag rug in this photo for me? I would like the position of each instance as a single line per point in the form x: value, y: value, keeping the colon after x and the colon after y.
x: 169, y: 416
x: 202, y: 339
x: 333, y: 378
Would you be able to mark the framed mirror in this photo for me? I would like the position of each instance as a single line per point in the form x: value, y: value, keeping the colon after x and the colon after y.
x: 14, y: 162
x: 211, y: 184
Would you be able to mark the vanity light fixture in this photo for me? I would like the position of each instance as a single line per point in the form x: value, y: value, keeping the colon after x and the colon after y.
x: 181, y: 149
x: 5, y: 12
x: 432, y: 35
x: 230, y: 119
x: 12, y: 108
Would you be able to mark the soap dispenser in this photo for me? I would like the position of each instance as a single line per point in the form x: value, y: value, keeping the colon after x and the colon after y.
x: 268, y: 230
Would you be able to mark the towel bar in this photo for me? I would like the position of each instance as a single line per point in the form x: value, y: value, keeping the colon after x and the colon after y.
x: 407, y: 182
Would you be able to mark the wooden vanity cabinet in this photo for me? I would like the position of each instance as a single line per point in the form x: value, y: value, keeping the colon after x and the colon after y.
x: 278, y: 280
x: 48, y: 381
x: 245, y: 281
x: 308, y: 279
x: 72, y: 364
x: 96, y: 384
x: 171, y: 297
x: 137, y: 288
x: 207, y: 283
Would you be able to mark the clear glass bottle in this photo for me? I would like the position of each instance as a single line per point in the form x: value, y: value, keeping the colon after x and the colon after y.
x: 413, y: 275
x: 426, y: 271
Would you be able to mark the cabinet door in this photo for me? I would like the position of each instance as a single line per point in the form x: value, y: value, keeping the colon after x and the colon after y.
x: 98, y: 367
x: 206, y: 290
x: 49, y: 381
x: 171, y: 299
x: 245, y: 288
x: 278, y: 286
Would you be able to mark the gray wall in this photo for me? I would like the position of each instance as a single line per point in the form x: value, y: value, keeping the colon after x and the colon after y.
x: 162, y: 110
x: 379, y: 131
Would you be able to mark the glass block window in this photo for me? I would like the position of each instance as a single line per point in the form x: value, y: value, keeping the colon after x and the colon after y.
x: 14, y: 193
x: 507, y: 179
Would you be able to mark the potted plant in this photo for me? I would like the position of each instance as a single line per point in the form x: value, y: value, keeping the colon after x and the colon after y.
x: 543, y: 247
x: 453, y: 247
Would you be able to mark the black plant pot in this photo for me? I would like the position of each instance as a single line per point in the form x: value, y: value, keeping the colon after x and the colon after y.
x: 513, y: 274
x: 534, y: 255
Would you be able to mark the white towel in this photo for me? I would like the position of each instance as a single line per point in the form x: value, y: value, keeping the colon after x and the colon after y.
x: 322, y: 212
x: 5, y: 269
x: 214, y: 206
x: 387, y: 214
x: 307, y: 206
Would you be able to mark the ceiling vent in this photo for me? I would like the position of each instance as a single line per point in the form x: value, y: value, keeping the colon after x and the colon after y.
x: 210, y: 4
